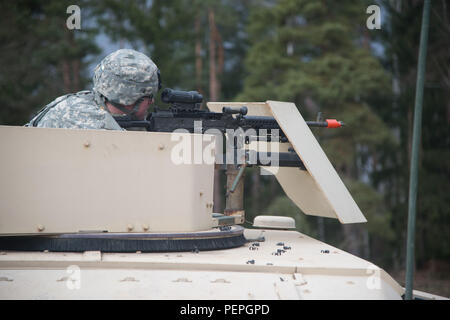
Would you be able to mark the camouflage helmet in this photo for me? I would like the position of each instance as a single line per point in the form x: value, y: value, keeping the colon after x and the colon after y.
x: 125, y: 76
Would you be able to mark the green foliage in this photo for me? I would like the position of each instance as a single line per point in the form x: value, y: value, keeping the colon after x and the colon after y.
x: 163, y: 29
x: 377, y: 215
x: 401, y: 42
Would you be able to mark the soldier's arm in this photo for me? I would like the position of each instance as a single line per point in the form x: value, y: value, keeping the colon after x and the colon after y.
x: 73, y: 114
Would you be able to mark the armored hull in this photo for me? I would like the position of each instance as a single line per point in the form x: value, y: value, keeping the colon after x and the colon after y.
x: 273, y: 264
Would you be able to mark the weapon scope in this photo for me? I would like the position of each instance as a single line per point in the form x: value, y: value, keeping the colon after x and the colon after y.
x: 177, y: 96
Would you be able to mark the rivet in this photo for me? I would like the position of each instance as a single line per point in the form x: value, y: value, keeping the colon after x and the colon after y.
x: 87, y: 144
x: 145, y: 227
x: 161, y: 147
x: 40, y: 227
x: 130, y: 227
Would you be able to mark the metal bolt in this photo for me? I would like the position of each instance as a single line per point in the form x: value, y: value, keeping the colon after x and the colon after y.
x: 130, y: 227
x: 145, y: 227
x: 87, y: 144
x: 40, y: 227
x: 161, y: 146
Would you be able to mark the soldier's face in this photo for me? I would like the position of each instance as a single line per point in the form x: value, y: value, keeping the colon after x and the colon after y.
x: 140, y: 114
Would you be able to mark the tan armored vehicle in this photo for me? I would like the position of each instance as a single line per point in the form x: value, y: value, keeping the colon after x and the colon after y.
x: 94, y: 214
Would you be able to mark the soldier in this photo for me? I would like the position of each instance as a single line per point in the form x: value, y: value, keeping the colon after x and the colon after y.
x: 125, y: 83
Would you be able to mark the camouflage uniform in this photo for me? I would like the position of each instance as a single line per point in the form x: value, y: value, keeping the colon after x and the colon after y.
x: 122, y: 78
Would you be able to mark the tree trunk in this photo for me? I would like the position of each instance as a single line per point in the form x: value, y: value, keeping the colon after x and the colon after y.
x: 213, y: 88
x: 352, y: 232
x: 220, y: 58
x: 71, y: 67
x: 198, y: 56
x: 366, y: 244
x: 66, y: 76
x: 351, y: 239
x: 213, y: 96
x: 321, y: 228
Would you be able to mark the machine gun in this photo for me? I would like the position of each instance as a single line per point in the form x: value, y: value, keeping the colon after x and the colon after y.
x: 185, y: 109
x: 184, y: 113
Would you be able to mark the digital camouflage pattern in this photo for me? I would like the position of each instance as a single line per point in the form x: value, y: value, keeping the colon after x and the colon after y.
x: 126, y: 75
x: 123, y: 77
x: 75, y: 111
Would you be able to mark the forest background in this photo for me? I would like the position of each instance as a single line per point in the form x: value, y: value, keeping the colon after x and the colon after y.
x: 318, y: 54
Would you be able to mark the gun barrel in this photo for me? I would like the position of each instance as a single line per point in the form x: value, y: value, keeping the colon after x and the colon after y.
x: 328, y: 123
x: 169, y: 120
